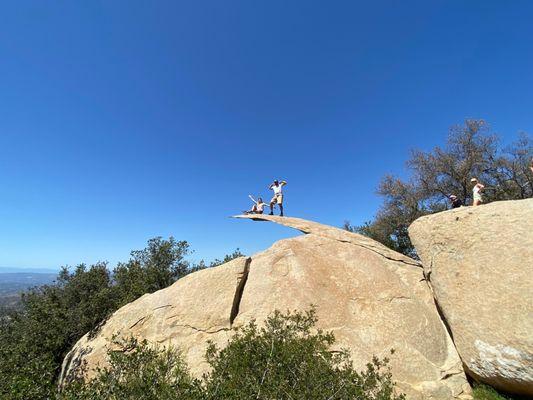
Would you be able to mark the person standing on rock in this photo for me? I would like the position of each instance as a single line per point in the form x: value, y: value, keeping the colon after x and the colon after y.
x: 477, y: 192
x: 278, y: 196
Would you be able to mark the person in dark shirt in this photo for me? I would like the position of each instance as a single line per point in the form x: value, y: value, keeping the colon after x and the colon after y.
x: 456, y: 201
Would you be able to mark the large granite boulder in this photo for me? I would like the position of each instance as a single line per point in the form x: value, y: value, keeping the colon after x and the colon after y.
x: 480, y: 264
x: 370, y: 297
x: 195, y: 309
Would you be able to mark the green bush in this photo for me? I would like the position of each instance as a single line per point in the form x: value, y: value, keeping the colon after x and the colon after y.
x: 289, y: 359
x: 138, y: 371
x: 286, y: 359
x: 484, y: 392
x: 52, y: 318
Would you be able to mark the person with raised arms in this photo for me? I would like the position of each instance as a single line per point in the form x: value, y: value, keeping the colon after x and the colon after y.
x: 277, y: 186
x: 258, y: 206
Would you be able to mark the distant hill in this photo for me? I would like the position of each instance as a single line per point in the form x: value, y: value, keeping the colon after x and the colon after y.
x: 12, y: 283
x: 6, y: 270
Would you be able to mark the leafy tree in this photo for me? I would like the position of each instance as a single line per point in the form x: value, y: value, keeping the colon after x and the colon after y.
x: 155, y: 267
x: 471, y: 150
x: 23, y: 373
x: 216, y: 262
x: 35, y: 339
x: 227, y: 258
x: 511, y: 171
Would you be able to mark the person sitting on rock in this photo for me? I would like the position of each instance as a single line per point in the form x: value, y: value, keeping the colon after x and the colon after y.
x: 258, y: 206
x: 456, y: 201
x: 278, y: 196
x: 477, y: 192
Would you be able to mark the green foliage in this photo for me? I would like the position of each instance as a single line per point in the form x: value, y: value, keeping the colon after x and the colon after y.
x: 286, y: 359
x: 471, y: 150
x: 227, y: 258
x: 386, y: 231
x: 289, y: 359
x: 216, y: 262
x: 137, y: 371
x: 156, y: 267
x: 484, y: 392
x: 35, y: 339
x: 24, y: 372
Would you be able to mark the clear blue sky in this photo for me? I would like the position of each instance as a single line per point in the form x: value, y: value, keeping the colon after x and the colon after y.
x: 124, y: 120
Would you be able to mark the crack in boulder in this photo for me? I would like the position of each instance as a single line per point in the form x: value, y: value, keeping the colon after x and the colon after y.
x: 141, y: 320
x: 239, y: 291
x: 204, y: 330
x: 167, y: 305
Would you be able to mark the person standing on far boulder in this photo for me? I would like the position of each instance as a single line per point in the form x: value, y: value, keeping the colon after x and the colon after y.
x: 477, y: 191
x: 278, y: 196
x: 456, y: 201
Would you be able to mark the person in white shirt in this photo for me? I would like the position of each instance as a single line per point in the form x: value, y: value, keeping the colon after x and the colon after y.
x: 477, y: 192
x: 258, y: 206
x: 278, y: 196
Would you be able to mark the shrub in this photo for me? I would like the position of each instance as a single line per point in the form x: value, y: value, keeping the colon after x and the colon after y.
x: 137, y: 371
x: 289, y: 359
x: 35, y: 338
x: 286, y: 359
x: 484, y: 392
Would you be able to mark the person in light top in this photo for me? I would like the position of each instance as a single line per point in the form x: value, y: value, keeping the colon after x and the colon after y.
x: 477, y: 192
x: 278, y: 196
x: 258, y: 206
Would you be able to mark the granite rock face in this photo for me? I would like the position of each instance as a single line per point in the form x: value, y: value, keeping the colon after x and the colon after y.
x: 370, y: 297
x: 195, y: 309
x: 480, y: 264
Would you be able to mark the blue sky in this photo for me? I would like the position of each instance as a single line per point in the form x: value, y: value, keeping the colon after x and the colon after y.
x: 125, y: 120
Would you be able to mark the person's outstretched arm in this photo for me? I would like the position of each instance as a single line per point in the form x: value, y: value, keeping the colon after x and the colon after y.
x: 250, y: 196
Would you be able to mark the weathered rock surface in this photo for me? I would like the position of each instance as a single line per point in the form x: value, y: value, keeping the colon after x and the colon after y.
x: 195, y: 309
x: 480, y: 264
x: 372, y: 298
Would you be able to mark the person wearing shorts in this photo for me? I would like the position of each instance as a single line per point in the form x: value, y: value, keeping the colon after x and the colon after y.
x: 278, y: 196
x: 258, y: 206
x: 477, y: 192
